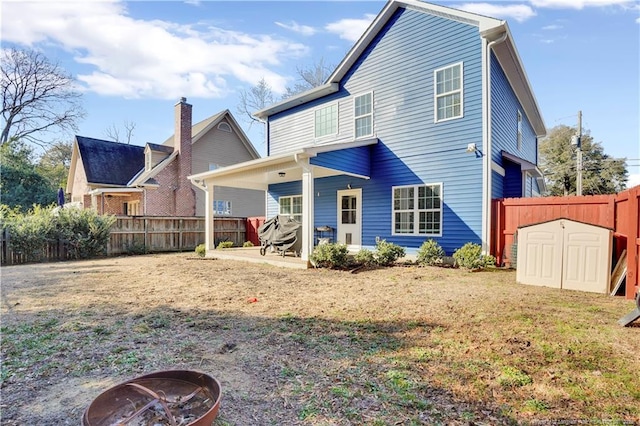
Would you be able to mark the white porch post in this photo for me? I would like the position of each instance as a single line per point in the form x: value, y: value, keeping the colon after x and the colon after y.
x: 307, y: 211
x: 208, y: 217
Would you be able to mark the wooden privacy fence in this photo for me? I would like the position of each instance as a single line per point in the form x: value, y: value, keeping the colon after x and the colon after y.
x: 138, y: 234
x: 618, y: 212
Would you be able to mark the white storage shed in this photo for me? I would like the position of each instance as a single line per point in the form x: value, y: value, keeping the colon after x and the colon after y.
x: 563, y: 253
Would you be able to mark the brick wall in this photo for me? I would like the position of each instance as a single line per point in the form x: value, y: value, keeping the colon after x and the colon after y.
x: 185, y: 197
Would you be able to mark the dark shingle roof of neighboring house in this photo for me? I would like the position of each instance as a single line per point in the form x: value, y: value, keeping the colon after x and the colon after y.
x: 111, y: 163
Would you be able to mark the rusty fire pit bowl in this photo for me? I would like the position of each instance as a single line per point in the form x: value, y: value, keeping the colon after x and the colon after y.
x: 171, y: 397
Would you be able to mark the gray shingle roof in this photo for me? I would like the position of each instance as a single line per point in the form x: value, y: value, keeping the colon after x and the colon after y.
x: 110, y: 163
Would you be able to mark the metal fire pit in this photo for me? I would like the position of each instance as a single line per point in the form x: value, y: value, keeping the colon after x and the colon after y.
x: 172, y: 397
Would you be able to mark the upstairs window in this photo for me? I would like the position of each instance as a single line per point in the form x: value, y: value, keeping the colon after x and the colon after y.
x: 417, y: 210
x: 326, y: 121
x: 224, y: 127
x: 448, y: 84
x: 292, y: 207
x: 363, y: 115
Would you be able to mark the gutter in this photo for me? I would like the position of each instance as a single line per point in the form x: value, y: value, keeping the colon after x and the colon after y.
x: 486, y: 163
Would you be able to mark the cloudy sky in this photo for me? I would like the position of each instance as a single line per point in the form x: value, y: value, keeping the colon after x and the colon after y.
x: 134, y: 60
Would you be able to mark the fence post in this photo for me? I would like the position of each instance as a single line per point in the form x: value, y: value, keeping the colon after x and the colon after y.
x: 633, y: 240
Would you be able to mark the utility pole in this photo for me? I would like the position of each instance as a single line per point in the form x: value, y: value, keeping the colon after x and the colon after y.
x: 578, y: 143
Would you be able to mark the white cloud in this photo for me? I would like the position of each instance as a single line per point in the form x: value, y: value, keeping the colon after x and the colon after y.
x: 637, y: 20
x: 147, y: 59
x: 519, y: 12
x: 350, y: 29
x: 297, y: 28
x: 578, y: 4
x: 552, y: 27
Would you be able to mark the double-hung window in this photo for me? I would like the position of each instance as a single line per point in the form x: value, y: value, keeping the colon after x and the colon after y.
x: 291, y: 206
x: 222, y: 207
x: 363, y: 115
x: 326, y: 120
x: 448, y: 84
x: 417, y: 210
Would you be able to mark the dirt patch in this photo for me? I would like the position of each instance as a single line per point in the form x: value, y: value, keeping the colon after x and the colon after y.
x: 402, y: 345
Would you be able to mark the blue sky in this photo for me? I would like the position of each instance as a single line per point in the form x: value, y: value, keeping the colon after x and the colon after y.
x: 134, y: 60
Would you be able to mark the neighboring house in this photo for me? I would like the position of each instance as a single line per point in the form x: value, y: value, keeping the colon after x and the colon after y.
x: 428, y: 117
x: 151, y: 180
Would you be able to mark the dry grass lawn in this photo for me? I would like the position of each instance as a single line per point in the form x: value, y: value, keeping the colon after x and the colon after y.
x: 395, y: 346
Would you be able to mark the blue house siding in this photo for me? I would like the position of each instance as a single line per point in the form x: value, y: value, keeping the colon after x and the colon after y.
x: 497, y: 185
x: 354, y: 160
x: 504, y: 120
x: 398, y: 67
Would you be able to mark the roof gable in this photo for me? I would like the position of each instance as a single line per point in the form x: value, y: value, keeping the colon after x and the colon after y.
x: 490, y: 29
x: 110, y: 163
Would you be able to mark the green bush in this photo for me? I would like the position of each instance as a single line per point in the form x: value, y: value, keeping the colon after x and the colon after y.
x: 470, y: 256
x: 387, y: 253
x: 365, y: 257
x: 225, y: 244
x: 247, y: 244
x: 85, y: 233
x: 201, y: 250
x: 330, y: 255
x: 430, y: 253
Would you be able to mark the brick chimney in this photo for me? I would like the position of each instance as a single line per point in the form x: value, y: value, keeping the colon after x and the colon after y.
x: 185, y: 196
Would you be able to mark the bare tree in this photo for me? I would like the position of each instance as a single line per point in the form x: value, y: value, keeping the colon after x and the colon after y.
x: 309, y: 77
x: 113, y: 132
x: 255, y: 99
x: 37, y: 96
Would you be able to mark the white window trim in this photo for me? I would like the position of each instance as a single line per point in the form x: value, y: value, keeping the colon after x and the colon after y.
x: 362, y: 116
x: 519, y: 131
x: 291, y: 197
x: 328, y: 135
x: 435, y: 93
x: 416, y: 218
x: 224, y: 127
x: 227, y: 210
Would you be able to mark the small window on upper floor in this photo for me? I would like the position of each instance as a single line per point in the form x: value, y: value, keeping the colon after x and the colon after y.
x: 213, y: 166
x: 224, y: 127
x: 326, y: 121
x: 519, y: 141
x: 448, y: 84
x: 363, y: 115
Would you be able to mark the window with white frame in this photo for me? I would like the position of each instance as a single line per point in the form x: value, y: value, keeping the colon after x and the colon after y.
x: 224, y: 127
x: 448, y: 84
x: 222, y: 207
x: 132, y: 208
x: 417, y: 210
x: 363, y: 115
x: 291, y: 206
x: 519, y: 141
x: 326, y: 121
x: 213, y: 166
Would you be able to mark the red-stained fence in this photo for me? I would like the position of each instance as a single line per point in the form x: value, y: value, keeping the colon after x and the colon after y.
x: 618, y: 212
x: 252, y: 225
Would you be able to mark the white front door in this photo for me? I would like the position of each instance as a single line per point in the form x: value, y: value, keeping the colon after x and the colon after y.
x: 350, y: 218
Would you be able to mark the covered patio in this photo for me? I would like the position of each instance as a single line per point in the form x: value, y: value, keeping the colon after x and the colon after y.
x: 303, y: 165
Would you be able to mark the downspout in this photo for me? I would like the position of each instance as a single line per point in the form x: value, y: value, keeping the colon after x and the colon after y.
x: 487, y: 158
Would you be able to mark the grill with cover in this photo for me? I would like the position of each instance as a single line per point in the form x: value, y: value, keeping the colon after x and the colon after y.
x: 281, y: 233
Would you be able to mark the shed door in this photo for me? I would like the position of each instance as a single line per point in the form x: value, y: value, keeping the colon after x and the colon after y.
x: 587, y: 254
x: 540, y: 255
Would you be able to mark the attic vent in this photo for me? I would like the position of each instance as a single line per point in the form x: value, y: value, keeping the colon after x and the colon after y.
x: 224, y: 127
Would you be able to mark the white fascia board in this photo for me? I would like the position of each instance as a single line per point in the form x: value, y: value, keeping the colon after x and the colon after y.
x: 302, y: 98
x: 99, y: 191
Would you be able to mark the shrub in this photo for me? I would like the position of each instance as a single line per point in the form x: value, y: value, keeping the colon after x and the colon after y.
x: 430, y: 253
x: 85, y: 232
x: 387, y: 253
x: 330, y: 255
x: 225, y: 244
x: 201, y: 250
x: 247, y: 244
x: 365, y: 257
x: 470, y: 256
